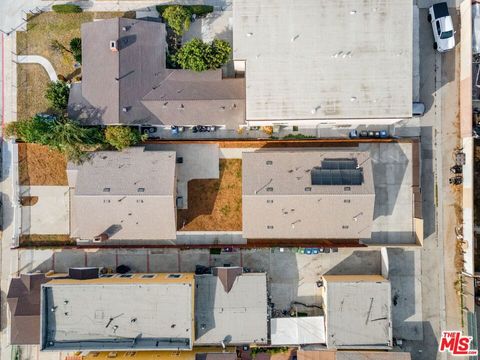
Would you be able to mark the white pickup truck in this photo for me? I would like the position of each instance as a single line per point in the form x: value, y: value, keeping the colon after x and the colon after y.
x: 442, y: 26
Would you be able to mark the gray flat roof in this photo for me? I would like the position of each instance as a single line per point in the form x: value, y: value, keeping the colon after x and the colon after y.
x: 325, y: 59
x: 358, y: 312
x: 129, y: 194
x: 279, y: 200
x: 116, y: 316
x: 232, y: 317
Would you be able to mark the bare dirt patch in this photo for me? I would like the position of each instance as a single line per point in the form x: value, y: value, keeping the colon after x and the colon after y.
x: 215, y: 205
x: 38, y: 165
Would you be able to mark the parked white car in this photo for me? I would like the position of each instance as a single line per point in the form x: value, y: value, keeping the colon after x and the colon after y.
x: 442, y: 26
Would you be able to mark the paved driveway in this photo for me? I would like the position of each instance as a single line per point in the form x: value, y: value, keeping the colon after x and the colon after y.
x: 50, y: 214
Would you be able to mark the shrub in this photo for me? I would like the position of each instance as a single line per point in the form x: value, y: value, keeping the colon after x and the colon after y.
x: 121, y: 137
x: 76, y: 49
x: 219, y: 53
x: 76, y: 45
x: 178, y: 18
x: 57, y: 94
x: 66, y: 9
x: 199, y: 56
x: 198, y: 10
x: 62, y: 134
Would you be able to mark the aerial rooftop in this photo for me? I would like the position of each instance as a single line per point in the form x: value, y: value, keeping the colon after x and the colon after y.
x: 125, y: 81
x: 357, y: 311
x: 24, y: 301
x: 312, y: 194
x: 332, y: 59
x: 123, y: 313
x: 231, y: 307
x: 125, y: 195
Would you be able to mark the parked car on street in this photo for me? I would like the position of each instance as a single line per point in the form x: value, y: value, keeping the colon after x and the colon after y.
x: 442, y: 25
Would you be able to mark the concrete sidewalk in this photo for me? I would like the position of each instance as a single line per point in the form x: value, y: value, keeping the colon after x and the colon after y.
x: 36, y: 59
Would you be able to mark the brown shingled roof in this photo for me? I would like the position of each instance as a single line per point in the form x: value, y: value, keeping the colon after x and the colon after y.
x: 24, y: 301
x: 227, y: 276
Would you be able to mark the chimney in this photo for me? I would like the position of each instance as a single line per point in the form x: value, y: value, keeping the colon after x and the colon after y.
x: 113, y: 46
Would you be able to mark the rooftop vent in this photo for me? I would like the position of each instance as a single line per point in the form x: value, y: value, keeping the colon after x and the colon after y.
x: 113, y: 46
x: 107, y: 189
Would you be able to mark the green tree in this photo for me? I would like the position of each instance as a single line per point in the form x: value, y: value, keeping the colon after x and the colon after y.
x: 121, y: 137
x: 178, y: 18
x: 62, y: 134
x: 57, y: 94
x: 200, y: 56
x: 35, y: 130
x: 219, y: 53
x: 76, y: 49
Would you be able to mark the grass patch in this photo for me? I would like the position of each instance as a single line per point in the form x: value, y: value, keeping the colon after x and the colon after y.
x: 67, y: 9
x: 42, y: 29
x: 38, y: 165
x: 32, y: 81
x: 214, y: 205
x: 46, y: 241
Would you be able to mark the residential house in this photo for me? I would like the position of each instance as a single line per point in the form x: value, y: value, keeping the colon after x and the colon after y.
x: 128, y: 195
x: 358, y: 312
x: 117, y: 312
x: 224, y: 315
x: 307, y: 194
x: 125, y: 81
x: 23, y: 299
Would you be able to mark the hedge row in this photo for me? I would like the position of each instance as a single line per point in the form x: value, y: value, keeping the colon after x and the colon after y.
x: 67, y: 9
x: 198, y: 10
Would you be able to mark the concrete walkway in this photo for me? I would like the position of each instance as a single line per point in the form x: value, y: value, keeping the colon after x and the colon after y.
x: 36, y: 59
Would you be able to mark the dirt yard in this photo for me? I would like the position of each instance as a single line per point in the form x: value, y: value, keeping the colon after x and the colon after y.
x: 215, y: 205
x: 39, y: 165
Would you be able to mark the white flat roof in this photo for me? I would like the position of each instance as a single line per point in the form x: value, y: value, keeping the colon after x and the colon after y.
x: 298, y: 331
x: 311, y: 59
x: 358, y: 312
x: 116, y: 316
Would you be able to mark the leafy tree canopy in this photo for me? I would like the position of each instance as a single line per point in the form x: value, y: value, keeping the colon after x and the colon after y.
x: 61, y: 134
x: 121, y: 137
x: 197, y: 55
x: 178, y: 18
